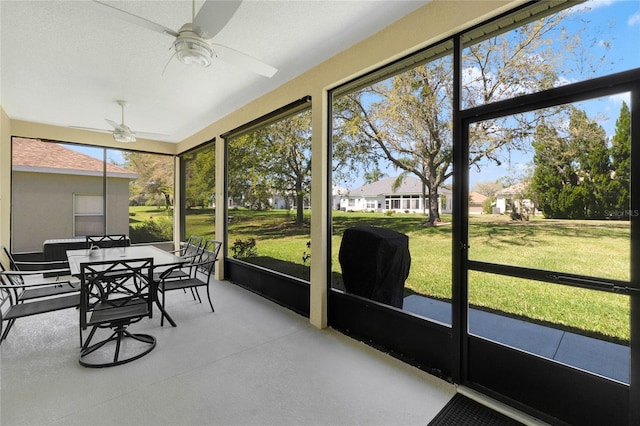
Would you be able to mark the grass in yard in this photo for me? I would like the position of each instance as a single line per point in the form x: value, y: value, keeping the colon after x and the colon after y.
x: 200, y: 222
x: 599, y: 248
x: 141, y: 213
x: 594, y: 248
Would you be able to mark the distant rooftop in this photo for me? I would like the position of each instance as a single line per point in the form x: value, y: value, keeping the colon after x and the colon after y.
x: 48, y: 157
x: 410, y: 186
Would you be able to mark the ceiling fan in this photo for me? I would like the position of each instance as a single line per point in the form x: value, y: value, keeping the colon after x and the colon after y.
x: 192, y: 45
x: 121, y: 132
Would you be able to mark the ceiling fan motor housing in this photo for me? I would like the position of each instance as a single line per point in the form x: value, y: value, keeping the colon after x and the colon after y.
x: 123, y: 136
x: 191, y: 49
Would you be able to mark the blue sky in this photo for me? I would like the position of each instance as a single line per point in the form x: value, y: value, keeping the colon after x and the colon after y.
x: 617, y: 26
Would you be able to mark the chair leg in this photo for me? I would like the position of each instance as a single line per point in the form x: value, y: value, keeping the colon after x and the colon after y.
x: 209, y: 297
x: 118, y: 335
x: 162, y: 311
x: 6, y: 330
x: 84, y: 345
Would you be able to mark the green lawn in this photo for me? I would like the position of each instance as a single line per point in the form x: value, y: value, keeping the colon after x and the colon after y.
x: 139, y: 214
x: 598, y: 248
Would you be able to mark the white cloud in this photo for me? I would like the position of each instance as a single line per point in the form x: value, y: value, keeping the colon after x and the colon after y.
x: 594, y: 4
x: 619, y: 97
x: 634, y: 20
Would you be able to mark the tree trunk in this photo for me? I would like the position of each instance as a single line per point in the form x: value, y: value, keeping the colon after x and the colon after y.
x: 299, y: 203
x: 424, y: 199
x: 434, y: 207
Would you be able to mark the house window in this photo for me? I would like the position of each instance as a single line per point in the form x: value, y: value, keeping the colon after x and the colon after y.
x: 88, y: 215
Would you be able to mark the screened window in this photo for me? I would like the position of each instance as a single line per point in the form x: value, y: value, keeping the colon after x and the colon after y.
x: 563, y: 191
x: 64, y: 191
x: 269, y: 180
x: 199, y: 180
x: 392, y: 138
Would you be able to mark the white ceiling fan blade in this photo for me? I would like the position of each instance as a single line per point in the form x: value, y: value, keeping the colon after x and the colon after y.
x: 242, y: 60
x: 151, y: 135
x: 91, y: 129
x: 135, y: 19
x: 214, y: 15
x: 115, y: 125
x: 126, y: 129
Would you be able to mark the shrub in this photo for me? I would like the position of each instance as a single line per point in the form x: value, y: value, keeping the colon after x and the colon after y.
x: 242, y: 249
x: 151, y: 231
x: 306, y: 255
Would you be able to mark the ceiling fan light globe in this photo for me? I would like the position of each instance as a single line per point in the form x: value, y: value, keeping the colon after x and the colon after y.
x: 193, y: 52
x: 123, y: 137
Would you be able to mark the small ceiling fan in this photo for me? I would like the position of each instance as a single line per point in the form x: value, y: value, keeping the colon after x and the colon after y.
x: 192, y: 41
x: 121, y: 132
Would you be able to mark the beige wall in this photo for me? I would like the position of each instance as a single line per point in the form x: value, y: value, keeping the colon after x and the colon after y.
x: 5, y: 177
x: 427, y: 25
x: 45, y: 203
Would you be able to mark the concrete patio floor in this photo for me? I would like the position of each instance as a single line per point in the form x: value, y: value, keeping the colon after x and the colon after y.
x: 250, y: 362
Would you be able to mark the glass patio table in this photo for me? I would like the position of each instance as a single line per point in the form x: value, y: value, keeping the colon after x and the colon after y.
x: 160, y: 258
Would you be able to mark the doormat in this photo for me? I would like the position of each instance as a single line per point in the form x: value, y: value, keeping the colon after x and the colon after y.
x: 461, y: 410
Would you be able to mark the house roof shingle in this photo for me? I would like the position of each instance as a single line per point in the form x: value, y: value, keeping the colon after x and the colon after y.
x: 33, y: 153
x: 410, y: 186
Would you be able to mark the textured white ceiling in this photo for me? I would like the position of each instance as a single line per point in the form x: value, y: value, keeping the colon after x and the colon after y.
x: 66, y: 62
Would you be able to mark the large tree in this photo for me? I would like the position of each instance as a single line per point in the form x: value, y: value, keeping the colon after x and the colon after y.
x: 621, y: 160
x: 155, y: 177
x: 200, y: 177
x: 249, y: 184
x: 407, y: 119
x: 572, y: 177
x: 272, y: 160
x: 287, y: 158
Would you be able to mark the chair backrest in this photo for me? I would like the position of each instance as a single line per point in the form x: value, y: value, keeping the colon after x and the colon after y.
x: 10, y: 259
x: 8, y: 292
x: 13, y: 266
x: 209, y: 257
x: 112, y: 286
x: 193, y: 248
x: 213, y: 246
x: 107, y: 241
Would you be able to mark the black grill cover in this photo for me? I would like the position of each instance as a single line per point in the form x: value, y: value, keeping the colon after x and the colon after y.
x: 375, y: 263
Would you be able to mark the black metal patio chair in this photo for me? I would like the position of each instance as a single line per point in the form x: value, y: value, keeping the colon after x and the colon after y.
x: 108, y: 241
x: 200, y: 275
x: 12, y: 308
x: 191, y: 250
x: 39, y: 280
x: 114, y: 295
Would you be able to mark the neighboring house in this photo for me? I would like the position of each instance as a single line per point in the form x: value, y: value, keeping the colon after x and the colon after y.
x: 476, y: 202
x: 70, y: 185
x: 337, y: 193
x: 513, y: 197
x: 380, y: 197
x: 280, y: 202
